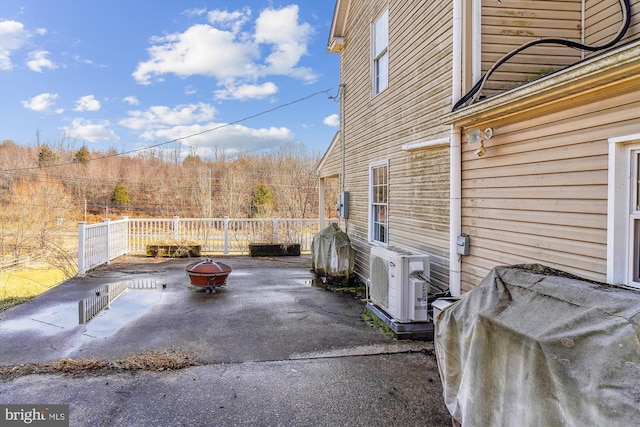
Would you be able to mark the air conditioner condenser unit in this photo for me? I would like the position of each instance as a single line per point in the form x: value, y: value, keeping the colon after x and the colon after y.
x: 399, y: 283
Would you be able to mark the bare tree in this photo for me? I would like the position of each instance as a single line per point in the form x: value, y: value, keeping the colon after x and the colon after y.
x: 34, y: 213
x: 295, y: 182
x: 234, y: 195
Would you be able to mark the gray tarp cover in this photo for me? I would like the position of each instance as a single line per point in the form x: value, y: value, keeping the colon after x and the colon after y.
x: 531, y: 346
x: 331, y: 252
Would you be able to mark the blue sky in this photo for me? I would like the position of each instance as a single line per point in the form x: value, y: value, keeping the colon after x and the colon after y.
x: 129, y: 74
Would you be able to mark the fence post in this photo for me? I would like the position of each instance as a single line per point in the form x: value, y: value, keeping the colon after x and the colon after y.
x: 81, y: 248
x: 176, y: 228
x: 226, y: 236
x: 108, y: 239
x: 82, y: 314
x: 126, y: 235
x: 275, y: 229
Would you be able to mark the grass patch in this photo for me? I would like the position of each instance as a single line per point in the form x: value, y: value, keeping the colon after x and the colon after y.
x: 18, y: 286
x: 369, y: 317
x: 150, y: 361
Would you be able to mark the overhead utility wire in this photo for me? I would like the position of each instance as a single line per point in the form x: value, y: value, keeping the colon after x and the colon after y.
x: 326, y: 91
x: 474, y: 94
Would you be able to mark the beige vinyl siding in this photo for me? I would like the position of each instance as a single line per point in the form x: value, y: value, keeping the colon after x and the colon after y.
x: 509, y: 24
x: 408, y: 111
x: 329, y: 171
x: 603, y: 19
x: 332, y: 159
x: 539, y: 195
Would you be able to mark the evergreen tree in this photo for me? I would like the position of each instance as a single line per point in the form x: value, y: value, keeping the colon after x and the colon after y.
x: 82, y: 156
x: 262, y: 205
x: 120, y: 196
x: 46, y: 157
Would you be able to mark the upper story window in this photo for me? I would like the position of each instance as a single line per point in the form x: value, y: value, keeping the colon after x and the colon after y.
x: 379, y: 202
x: 380, y: 53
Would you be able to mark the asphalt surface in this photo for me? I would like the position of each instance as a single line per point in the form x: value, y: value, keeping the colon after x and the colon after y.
x: 273, y: 348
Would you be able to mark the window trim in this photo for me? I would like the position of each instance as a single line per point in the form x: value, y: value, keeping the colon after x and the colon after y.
x: 372, y: 167
x: 634, y: 217
x: 375, y: 58
x: 620, y: 244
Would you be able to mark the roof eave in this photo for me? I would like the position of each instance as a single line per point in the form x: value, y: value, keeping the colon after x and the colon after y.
x: 336, y: 36
x: 614, y: 66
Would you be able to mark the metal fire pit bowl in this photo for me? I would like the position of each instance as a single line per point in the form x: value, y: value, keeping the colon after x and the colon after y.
x: 208, y: 274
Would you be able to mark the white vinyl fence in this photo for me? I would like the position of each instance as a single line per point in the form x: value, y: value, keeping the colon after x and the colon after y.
x: 100, y: 243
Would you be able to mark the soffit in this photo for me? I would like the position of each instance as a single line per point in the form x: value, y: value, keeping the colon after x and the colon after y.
x: 338, y: 24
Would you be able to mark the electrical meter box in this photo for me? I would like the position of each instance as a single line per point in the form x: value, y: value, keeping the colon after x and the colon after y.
x: 343, y: 205
x: 463, y: 244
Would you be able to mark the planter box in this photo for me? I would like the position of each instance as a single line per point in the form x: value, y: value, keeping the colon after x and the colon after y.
x: 274, y: 249
x: 174, y: 251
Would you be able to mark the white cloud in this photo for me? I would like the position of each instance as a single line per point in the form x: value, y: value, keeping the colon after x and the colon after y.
x: 195, y: 11
x: 231, y: 20
x: 230, y: 138
x: 38, y: 60
x: 280, y: 29
x: 77, y: 58
x: 333, y: 120
x: 13, y: 36
x: 87, y: 103
x: 223, y: 51
x: 42, y: 102
x: 244, y: 92
x: 91, y: 131
x: 131, y: 100
x: 160, y: 116
x: 201, y: 50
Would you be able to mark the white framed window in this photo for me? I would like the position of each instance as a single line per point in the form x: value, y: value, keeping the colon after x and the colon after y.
x: 634, y: 220
x: 379, y: 202
x: 623, y: 214
x: 380, y: 53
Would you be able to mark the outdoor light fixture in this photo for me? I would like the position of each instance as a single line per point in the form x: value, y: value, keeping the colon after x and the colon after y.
x: 475, y: 136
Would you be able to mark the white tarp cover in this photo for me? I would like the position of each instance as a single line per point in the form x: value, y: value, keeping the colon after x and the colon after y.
x: 532, y: 346
x: 331, y: 253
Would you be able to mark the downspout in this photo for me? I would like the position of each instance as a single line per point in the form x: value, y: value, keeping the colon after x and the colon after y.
x: 342, y: 136
x: 344, y: 150
x: 455, y: 156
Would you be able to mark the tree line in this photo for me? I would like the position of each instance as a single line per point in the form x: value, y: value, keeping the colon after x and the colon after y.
x: 46, y: 188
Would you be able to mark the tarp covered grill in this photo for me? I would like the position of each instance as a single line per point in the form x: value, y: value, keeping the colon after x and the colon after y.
x: 532, y: 346
x: 331, y: 253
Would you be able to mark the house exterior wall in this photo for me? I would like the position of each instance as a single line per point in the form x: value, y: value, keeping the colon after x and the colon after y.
x: 330, y: 171
x: 602, y: 20
x: 409, y: 110
x: 331, y: 162
x: 509, y: 24
x: 539, y: 194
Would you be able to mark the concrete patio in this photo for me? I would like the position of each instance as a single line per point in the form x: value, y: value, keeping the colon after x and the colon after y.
x: 270, y: 348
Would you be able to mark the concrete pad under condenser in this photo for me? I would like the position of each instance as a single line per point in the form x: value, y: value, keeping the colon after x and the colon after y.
x: 404, y: 331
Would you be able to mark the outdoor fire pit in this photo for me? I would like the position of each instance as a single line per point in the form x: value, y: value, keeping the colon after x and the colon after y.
x: 208, y: 274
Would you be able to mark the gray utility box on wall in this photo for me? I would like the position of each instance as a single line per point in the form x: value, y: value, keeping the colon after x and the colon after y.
x: 343, y: 205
